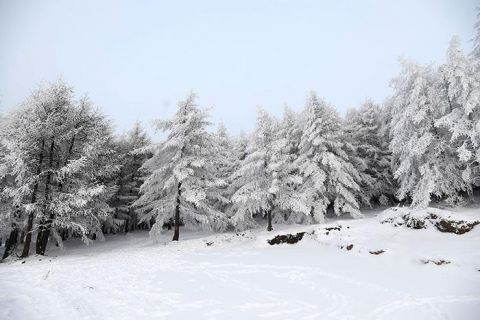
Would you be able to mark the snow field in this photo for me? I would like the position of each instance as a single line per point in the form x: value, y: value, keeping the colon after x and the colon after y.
x: 240, y: 276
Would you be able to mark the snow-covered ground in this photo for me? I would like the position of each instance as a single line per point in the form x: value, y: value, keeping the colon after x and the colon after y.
x: 230, y: 276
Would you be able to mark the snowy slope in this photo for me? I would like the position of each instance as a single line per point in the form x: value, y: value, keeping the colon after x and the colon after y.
x: 243, y: 277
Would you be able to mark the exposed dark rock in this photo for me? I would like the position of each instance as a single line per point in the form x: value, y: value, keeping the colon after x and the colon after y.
x: 349, y: 247
x: 377, y: 252
x: 439, y: 262
x: 337, y: 228
x: 286, y: 238
x: 457, y: 227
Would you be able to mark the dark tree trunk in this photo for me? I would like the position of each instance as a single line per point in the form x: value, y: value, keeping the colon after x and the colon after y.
x: 42, y: 245
x: 176, y: 232
x: 134, y: 222
x: 127, y: 222
x: 269, y: 218
x: 64, y: 234
x: 11, y: 242
x: 44, y: 229
x: 269, y: 211
x: 41, y: 231
x: 28, y: 230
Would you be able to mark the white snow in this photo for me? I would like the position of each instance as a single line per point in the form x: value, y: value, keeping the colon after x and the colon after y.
x: 243, y: 277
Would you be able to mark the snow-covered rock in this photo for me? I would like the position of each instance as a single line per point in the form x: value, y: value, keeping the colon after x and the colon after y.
x: 443, y: 220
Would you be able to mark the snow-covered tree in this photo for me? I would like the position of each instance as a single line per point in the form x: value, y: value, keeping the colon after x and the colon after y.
x: 476, y: 39
x: 267, y: 178
x: 460, y: 84
x: 86, y: 165
x: 254, y: 180
x: 182, y: 185
x: 240, y: 148
x: 54, y: 147
x: 132, y: 153
x: 289, y: 203
x: 424, y: 163
x: 27, y: 138
x: 329, y: 176
x: 224, y: 165
x: 369, y: 151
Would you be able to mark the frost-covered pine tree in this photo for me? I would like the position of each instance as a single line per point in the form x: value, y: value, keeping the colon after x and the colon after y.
x: 28, y: 138
x: 79, y: 189
x: 241, y: 146
x: 79, y: 186
x: 424, y: 163
x: 369, y: 150
x: 224, y: 165
x: 132, y: 150
x: 289, y: 203
x: 460, y: 84
x: 267, y: 178
x: 476, y: 39
x: 329, y: 176
x: 240, y: 149
x: 58, y: 155
x: 182, y: 185
x: 254, y: 196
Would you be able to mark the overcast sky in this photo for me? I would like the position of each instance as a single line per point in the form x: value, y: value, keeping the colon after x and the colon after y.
x: 136, y: 59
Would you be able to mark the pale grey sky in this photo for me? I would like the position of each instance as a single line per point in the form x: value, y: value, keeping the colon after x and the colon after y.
x: 137, y: 58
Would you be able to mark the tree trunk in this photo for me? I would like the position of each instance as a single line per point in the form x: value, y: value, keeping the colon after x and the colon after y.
x: 127, y: 222
x: 269, y: 218
x: 11, y: 242
x: 134, y: 222
x: 176, y: 233
x: 44, y: 230
x: 269, y: 211
x: 28, y: 231
x: 43, y: 241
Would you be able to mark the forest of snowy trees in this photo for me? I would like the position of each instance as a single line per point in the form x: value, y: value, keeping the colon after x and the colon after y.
x: 64, y: 174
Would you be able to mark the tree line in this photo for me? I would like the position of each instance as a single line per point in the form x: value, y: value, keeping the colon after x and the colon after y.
x: 64, y: 174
